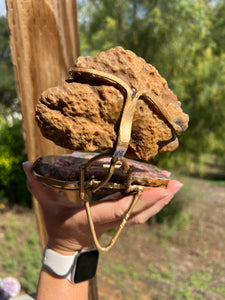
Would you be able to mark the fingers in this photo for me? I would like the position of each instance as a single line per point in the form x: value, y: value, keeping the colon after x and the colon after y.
x: 174, y: 186
x: 113, y: 209
x: 34, y: 186
x: 111, y: 212
x: 139, y: 218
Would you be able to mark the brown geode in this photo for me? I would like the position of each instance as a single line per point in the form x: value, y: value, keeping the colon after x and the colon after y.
x: 85, y: 115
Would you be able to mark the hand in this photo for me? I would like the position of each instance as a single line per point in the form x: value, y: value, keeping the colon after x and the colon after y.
x: 66, y: 223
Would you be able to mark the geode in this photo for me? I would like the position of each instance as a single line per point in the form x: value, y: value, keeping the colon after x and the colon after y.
x: 84, y: 113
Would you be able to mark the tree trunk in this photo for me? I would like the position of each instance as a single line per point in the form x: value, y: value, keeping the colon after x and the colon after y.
x: 44, y: 43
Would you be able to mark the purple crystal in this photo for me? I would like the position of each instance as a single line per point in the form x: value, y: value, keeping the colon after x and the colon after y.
x: 10, y: 286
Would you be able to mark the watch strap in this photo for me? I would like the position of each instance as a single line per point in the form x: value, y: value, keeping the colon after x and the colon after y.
x: 61, y: 265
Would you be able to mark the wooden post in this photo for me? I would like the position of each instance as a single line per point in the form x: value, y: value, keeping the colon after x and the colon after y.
x: 44, y: 44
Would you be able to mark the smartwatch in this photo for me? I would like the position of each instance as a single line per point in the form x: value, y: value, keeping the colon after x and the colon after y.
x: 80, y: 266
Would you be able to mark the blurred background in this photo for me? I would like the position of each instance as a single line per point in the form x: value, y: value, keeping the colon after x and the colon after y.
x: 185, y: 41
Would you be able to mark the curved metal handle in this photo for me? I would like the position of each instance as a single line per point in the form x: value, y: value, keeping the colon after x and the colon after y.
x: 114, y: 238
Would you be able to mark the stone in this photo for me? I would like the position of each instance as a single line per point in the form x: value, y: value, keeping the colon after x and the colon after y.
x: 84, y: 113
x: 64, y: 171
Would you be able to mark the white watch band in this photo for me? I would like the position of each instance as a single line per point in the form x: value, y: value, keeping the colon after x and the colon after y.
x: 61, y: 265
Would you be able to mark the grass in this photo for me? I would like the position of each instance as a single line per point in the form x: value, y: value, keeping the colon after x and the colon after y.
x: 20, y: 253
x: 190, y: 287
x: 216, y: 182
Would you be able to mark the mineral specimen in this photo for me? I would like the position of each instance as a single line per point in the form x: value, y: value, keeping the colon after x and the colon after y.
x: 84, y: 113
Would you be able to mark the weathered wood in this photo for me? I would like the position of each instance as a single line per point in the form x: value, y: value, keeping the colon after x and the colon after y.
x: 44, y: 44
x: 93, y: 289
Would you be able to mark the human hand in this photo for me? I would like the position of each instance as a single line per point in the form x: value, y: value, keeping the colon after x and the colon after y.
x: 67, y: 225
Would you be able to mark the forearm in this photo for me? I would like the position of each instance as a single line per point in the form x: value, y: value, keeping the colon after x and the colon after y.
x: 52, y: 287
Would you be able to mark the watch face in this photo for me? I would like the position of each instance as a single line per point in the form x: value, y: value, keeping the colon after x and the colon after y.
x: 86, y: 265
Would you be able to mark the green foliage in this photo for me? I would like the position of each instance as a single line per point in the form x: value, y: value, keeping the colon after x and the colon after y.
x: 8, y: 99
x: 184, y: 40
x: 12, y: 178
x: 218, y: 30
x: 12, y: 153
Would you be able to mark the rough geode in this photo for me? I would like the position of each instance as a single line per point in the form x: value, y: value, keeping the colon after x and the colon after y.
x: 85, y: 115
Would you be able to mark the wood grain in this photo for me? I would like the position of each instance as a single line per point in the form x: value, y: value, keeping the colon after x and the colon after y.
x: 44, y: 44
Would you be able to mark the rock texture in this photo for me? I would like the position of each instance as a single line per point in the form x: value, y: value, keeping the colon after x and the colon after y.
x: 84, y: 114
x: 65, y: 170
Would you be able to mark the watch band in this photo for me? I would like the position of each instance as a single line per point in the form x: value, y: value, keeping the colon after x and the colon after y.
x: 78, y: 267
x: 57, y: 263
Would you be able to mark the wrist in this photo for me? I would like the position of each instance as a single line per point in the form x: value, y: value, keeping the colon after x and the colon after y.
x: 52, y: 286
x: 57, y: 247
x: 61, y: 251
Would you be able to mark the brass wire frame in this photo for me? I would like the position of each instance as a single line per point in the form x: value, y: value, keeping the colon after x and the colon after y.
x: 123, y: 139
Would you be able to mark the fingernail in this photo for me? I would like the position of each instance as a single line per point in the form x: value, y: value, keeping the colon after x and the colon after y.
x: 178, y: 186
x: 164, y: 195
